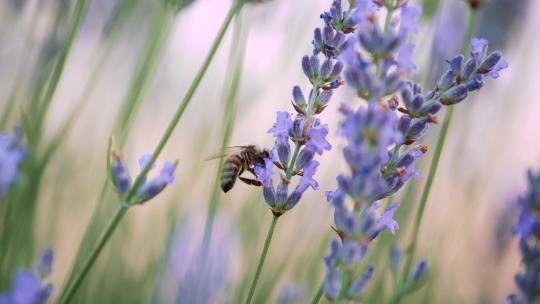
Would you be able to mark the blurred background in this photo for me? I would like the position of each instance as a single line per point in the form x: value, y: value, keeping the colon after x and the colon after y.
x: 132, y: 50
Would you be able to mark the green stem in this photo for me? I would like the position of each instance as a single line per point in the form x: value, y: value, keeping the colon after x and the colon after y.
x: 105, y: 236
x: 261, y: 259
x: 159, y: 30
x: 290, y: 169
x: 80, y: 8
x: 319, y: 294
x: 235, y: 7
x: 236, y: 60
x: 388, y: 18
x: 433, y: 167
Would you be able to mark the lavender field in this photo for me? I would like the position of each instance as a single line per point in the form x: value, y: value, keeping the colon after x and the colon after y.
x: 269, y: 151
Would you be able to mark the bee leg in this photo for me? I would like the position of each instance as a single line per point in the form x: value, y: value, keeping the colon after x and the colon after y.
x: 250, y: 181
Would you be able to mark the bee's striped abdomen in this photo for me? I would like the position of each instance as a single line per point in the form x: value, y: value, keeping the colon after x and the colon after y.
x: 230, y: 171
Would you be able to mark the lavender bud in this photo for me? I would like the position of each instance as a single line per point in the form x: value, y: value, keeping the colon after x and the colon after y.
x: 446, y: 80
x: 281, y: 194
x: 326, y: 69
x: 269, y: 195
x: 298, y: 98
x: 404, y: 124
x: 417, y: 130
x: 152, y: 188
x: 317, y: 41
x: 44, y: 263
x: 468, y: 69
x: 359, y: 285
x: 454, y: 95
x: 419, y: 270
x: 407, y: 95
x: 120, y: 174
x: 296, y: 132
x: 293, y: 199
x: 418, y: 277
x: 490, y: 61
x: 456, y: 64
x: 476, y: 83
x: 338, y: 67
x: 417, y: 103
x: 304, y: 157
x: 327, y: 34
x: 314, y: 62
x: 283, y: 151
x: 434, y: 108
x: 322, y: 100
x: 306, y: 67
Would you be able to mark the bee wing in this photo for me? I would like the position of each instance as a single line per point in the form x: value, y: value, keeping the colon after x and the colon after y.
x: 229, y: 150
x: 216, y: 156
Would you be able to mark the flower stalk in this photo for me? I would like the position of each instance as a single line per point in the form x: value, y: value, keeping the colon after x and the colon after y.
x: 262, y: 258
x: 434, y: 163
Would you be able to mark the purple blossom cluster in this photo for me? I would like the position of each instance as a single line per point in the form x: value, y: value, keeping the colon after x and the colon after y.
x: 298, y: 138
x: 121, y: 178
x: 30, y: 285
x: 379, y: 138
x: 528, y: 230
x: 12, y: 154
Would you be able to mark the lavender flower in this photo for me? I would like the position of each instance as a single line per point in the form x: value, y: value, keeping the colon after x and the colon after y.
x: 376, y: 62
x: 121, y: 178
x: 528, y: 230
x: 305, y: 131
x: 291, y: 294
x: 184, y: 279
x: 30, y: 285
x: 12, y: 153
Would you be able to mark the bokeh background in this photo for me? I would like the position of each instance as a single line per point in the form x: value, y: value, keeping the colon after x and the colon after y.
x: 466, y: 233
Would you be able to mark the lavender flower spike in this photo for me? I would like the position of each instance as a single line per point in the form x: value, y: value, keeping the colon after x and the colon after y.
x: 305, y: 132
x: 12, y: 153
x: 30, y: 286
x: 527, y: 228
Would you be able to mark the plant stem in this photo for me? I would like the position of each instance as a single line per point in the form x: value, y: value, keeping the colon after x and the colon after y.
x: 235, y: 7
x: 261, y: 259
x: 236, y: 60
x: 105, y: 236
x: 159, y: 29
x: 319, y: 294
x: 434, y: 165
x: 45, y: 102
x: 290, y: 169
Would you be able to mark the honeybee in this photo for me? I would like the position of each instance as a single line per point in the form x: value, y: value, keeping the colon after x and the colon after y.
x: 239, y: 159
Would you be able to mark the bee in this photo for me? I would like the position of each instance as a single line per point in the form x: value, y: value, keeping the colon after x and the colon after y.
x: 240, y: 159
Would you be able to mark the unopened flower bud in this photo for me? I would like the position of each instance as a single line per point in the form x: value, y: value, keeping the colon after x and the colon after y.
x: 304, y: 157
x: 120, y: 173
x: 281, y: 194
x: 491, y: 61
x: 306, y: 67
x: 446, y: 80
x: 322, y: 101
x: 454, y: 95
x: 468, y: 69
x: 283, y: 149
x: 476, y: 83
